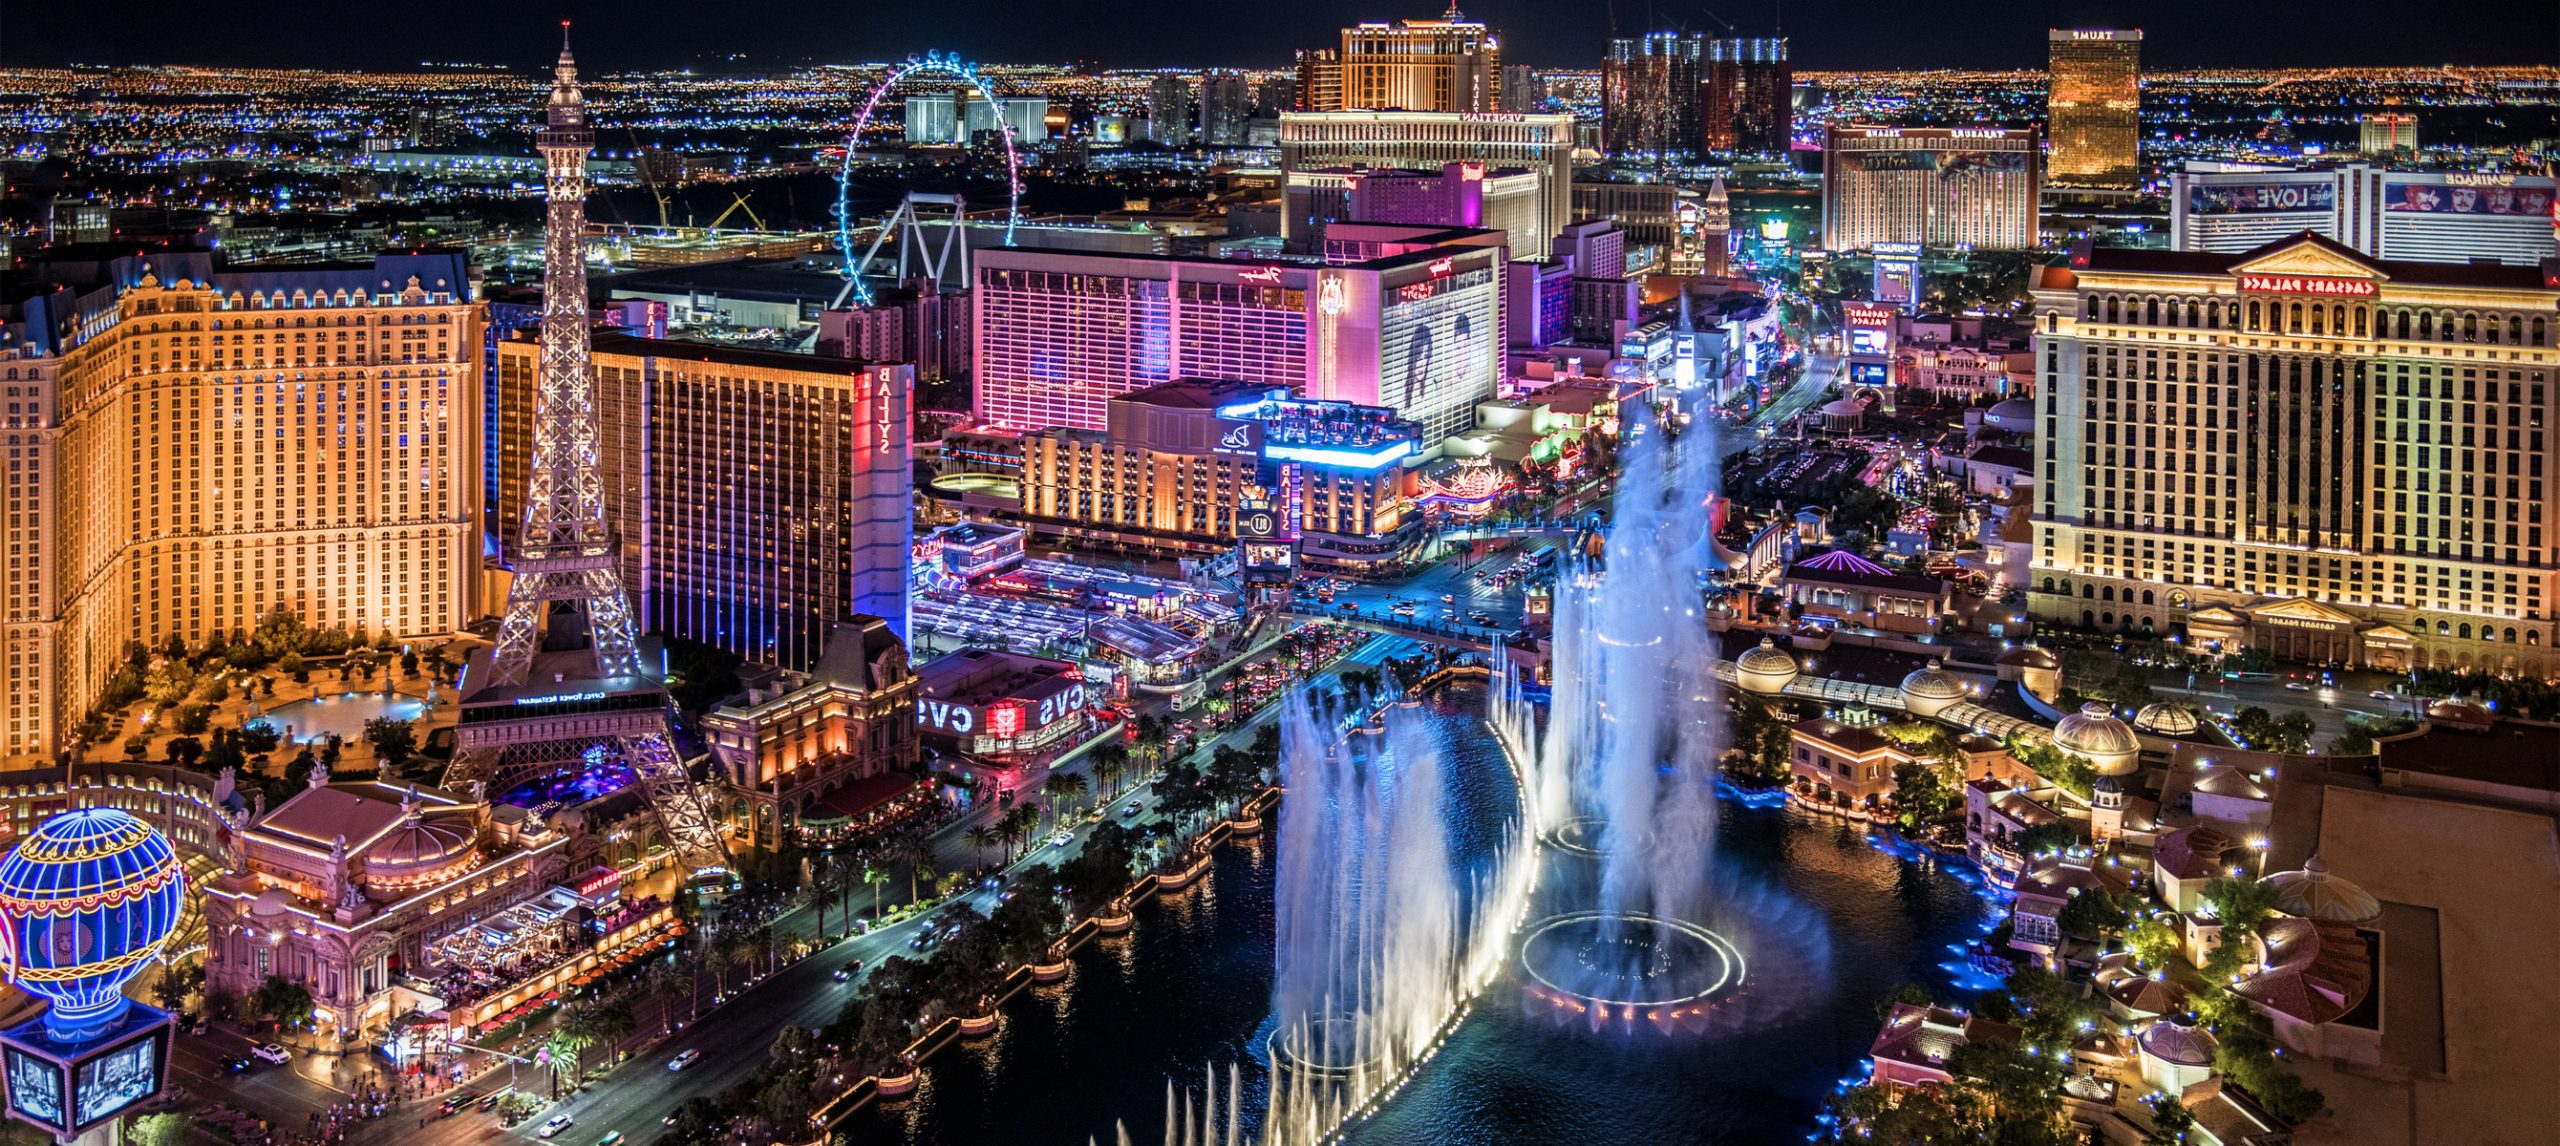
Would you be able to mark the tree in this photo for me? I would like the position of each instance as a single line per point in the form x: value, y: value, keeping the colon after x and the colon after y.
x: 2241, y: 904
x: 191, y: 719
x: 1912, y: 993
x: 2091, y: 914
x: 2152, y: 944
x: 1110, y: 763
x: 409, y: 662
x: 2046, y: 839
x: 515, y: 1106
x: 815, y: 897
x: 2170, y: 1122
x: 291, y: 664
x: 170, y: 991
x: 393, y: 740
x: 288, y: 1003
x: 183, y: 751
x: 981, y: 837
x: 170, y: 1129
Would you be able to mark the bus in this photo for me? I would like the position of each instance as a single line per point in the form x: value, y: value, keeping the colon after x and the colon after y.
x: 1541, y: 559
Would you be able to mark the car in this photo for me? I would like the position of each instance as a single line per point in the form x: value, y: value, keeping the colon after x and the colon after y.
x: 1062, y: 839
x: 1129, y: 809
x: 683, y: 1059
x: 611, y: 1138
x: 489, y: 1101
x: 2296, y: 686
x: 2383, y: 694
x: 271, y: 1052
x: 235, y: 1064
x: 1448, y: 599
x: 457, y: 1102
x: 841, y: 974
x: 551, y: 1129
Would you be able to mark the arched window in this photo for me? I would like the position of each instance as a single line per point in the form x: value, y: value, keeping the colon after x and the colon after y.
x: 2113, y: 314
x: 2511, y: 636
x: 2151, y: 312
x: 2532, y: 637
x: 2318, y: 317
x: 2426, y: 325
x: 2444, y: 628
x: 2539, y: 332
x: 2093, y: 309
x: 2338, y: 319
x: 2052, y: 321
x: 2515, y: 330
x: 2465, y: 631
x: 2048, y: 584
x: 2293, y: 318
x: 2254, y: 323
x: 2146, y: 599
x: 2359, y: 322
x: 2193, y: 318
x: 2088, y: 591
x: 2402, y: 325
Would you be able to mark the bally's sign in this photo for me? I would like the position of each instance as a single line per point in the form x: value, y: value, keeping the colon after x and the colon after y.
x: 2309, y: 284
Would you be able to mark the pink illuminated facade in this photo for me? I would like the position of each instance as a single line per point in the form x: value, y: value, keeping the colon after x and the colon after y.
x: 1406, y: 317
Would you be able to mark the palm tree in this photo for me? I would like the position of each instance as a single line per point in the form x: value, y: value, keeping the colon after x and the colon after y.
x: 916, y: 852
x: 981, y: 837
x: 815, y: 896
x: 1024, y: 820
x: 719, y: 957
x: 1110, y: 763
x: 876, y: 874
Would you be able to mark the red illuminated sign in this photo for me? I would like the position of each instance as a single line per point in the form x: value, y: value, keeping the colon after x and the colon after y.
x: 1004, y: 721
x: 2309, y: 284
x: 603, y: 879
x: 1442, y: 268
x: 1867, y: 315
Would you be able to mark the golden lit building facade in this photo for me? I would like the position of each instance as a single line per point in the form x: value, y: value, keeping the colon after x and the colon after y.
x: 828, y: 754
x: 2301, y: 449
x: 1179, y: 459
x: 1449, y: 64
x: 2094, y: 107
x: 762, y: 498
x: 194, y: 449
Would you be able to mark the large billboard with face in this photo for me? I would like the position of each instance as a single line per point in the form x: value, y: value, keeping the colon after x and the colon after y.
x: 2489, y: 196
x: 2260, y: 198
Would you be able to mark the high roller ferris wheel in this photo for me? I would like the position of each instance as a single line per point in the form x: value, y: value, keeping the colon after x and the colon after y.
x: 857, y: 260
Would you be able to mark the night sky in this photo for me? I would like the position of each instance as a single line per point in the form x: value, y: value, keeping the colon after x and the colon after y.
x: 1554, y: 33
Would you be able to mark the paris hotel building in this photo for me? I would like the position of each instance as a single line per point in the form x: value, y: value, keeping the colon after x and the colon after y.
x: 191, y: 449
x: 2302, y: 449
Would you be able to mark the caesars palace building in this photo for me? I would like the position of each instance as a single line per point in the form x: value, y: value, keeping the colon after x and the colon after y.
x: 2302, y: 449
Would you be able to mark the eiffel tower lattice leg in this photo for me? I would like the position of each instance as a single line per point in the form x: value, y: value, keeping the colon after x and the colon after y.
x: 690, y: 830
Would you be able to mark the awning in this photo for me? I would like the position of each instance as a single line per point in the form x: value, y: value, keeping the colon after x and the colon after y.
x: 865, y: 794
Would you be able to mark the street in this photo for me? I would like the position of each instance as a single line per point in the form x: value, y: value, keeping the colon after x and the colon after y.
x: 733, y: 1039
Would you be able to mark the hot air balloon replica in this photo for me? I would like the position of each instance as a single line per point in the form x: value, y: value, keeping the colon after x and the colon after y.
x: 86, y: 901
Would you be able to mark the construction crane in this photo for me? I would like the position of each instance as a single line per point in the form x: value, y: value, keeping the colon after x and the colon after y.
x: 739, y: 202
x: 640, y: 161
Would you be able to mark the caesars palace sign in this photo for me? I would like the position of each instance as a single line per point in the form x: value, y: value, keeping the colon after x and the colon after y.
x: 2309, y: 284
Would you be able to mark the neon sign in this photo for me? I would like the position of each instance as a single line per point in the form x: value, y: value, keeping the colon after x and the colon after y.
x: 944, y: 716
x: 1442, y: 268
x: 2309, y: 284
x: 562, y: 697
x: 1259, y: 275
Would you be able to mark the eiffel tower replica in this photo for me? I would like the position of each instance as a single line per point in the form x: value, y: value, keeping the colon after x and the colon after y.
x: 566, y: 689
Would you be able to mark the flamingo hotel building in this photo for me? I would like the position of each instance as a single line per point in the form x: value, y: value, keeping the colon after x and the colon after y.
x: 2302, y: 449
x: 191, y: 449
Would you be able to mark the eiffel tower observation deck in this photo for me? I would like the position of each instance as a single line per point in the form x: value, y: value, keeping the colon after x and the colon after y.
x: 568, y: 688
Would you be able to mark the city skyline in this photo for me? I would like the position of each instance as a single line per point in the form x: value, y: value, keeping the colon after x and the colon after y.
x: 653, y: 34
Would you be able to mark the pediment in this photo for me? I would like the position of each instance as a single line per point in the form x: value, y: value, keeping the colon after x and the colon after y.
x: 2309, y: 256
x: 2302, y: 610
